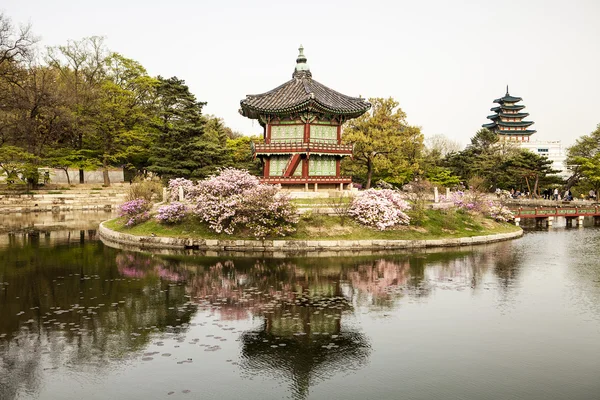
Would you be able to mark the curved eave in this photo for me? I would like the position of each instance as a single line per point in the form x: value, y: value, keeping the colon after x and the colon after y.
x: 308, y: 105
x: 489, y: 126
x: 516, y: 133
x: 505, y: 107
x: 496, y: 116
x: 522, y: 123
x: 507, y: 99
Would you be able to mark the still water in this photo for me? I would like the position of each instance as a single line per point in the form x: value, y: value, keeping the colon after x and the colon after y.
x: 514, y: 320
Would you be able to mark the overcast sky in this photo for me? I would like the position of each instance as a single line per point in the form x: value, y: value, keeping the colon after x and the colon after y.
x: 443, y: 61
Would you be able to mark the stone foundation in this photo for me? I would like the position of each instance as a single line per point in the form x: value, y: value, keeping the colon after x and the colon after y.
x: 282, y: 248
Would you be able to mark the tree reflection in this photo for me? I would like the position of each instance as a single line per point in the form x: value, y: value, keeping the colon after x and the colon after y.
x: 74, y: 305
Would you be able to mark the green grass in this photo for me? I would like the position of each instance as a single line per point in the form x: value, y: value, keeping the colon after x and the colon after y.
x: 435, y: 224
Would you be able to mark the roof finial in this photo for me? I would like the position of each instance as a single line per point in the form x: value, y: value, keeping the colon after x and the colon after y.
x: 301, y: 65
x: 507, y: 90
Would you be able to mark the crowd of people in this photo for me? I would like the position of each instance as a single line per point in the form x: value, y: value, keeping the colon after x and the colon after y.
x: 546, y: 194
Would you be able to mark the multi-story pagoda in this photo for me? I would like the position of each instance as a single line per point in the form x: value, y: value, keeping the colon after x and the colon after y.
x: 508, y: 122
x: 302, y: 121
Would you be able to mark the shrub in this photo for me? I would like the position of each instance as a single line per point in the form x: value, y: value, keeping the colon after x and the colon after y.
x: 469, y: 201
x: 380, y: 209
x: 175, y: 184
x: 235, y: 200
x: 144, y: 189
x: 172, y: 213
x: 501, y: 213
x: 137, y: 210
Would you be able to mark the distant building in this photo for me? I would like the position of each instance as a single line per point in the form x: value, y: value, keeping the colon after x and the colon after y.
x: 302, y: 121
x: 553, y: 150
x: 508, y: 123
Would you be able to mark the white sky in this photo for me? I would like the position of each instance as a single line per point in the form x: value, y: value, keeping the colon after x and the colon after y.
x: 444, y: 61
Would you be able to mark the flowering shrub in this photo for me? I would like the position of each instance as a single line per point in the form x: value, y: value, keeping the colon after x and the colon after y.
x: 501, y: 213
x: 477, y: 202
x: 235, y: 200
x: 172, y: 213
x: 137, y: 210
x: 470, y: 201
x: 380, y: 209
x: 175, y: 184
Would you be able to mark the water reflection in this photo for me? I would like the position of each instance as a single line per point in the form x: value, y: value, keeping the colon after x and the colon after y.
x: 69, y: 303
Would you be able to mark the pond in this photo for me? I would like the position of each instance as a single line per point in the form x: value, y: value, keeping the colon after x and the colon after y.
x: 512, y: 320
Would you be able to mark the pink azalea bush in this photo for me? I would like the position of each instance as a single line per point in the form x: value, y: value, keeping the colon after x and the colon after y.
x: 381, y: 209
x: 172, y: 213
x: 234, y: 200
x: 136, y: 211
x: 479, y: 203
x: 175, y: 184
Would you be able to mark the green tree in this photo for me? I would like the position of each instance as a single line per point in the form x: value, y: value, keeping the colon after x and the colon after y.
x: 583, y: 159
x: 123, y: 114
x: 82, y: 65
x: 482, y: 158
x: 384, y: 144
x: 181, y: 148
x: 529, y: 167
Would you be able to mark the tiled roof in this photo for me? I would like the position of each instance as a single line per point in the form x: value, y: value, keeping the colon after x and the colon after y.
x: 507, y: 99
x: 507, y: 107
x: 302, y: 93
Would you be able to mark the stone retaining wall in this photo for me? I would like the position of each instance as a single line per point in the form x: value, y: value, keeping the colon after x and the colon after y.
x: 102, y: 200
x: 289, y: 246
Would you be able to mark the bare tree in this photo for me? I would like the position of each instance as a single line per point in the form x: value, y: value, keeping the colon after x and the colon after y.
x: 442, y: 145
x: 16, y: 46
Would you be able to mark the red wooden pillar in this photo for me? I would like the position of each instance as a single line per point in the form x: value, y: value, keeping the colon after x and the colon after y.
x: 338, y: 163
x: 268, y: 137
x: 339, y: 134
x: 305, y: 167
x: 267, y: 168
x: 306, y: 132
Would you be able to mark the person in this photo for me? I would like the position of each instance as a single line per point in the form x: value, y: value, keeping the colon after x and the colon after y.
x: 568, y: 195
x: 556, y: 194
x: 592, y: 194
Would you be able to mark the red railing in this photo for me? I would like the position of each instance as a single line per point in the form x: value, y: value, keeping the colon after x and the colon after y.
x: 299, y: 180
x: 556, y: 212
x: 301, y: 147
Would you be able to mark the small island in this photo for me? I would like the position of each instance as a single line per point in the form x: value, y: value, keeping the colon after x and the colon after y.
x: 233, y: 211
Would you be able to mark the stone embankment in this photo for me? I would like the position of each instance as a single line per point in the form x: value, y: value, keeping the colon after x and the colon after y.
x: 104, y: 199
x: 216, y: 246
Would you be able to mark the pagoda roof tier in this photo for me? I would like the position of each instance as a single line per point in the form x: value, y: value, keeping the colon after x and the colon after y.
x: 503, y: 115
x: 515, y: 107
x: 520, y: 123
x: 499, y: 124
x: 507, y: 99
x: 302, y: 93
x: 516, y: 133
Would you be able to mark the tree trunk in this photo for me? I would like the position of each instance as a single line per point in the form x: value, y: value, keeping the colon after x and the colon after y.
x: 68, y: 178
x: 369, y: 174
x: 105, y: 173
x: 80, y: 146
